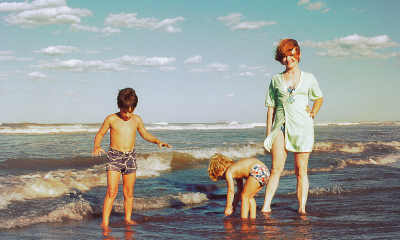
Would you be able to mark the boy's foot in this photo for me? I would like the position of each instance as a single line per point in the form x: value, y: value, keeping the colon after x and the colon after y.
x: 302, y: 212
x: 130, y: 222
x: 106, y: 229
x: 104, y: 225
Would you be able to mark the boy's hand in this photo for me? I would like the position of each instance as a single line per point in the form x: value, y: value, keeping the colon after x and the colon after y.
x: 228, y: 211
x: 163, y: 144
x: 97, y: 151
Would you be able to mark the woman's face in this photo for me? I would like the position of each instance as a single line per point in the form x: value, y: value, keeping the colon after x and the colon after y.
x: 290, y: 59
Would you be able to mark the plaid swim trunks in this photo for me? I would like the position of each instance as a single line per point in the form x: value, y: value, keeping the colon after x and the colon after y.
x: 124, y: 162
x: 260, y: 173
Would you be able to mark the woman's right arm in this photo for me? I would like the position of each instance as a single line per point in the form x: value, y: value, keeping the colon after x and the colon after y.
x: 270, y: 119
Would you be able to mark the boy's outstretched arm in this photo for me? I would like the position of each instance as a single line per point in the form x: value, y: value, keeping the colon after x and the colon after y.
x: 97, y: 150
x: 148, y: 136
x: 230, y: 194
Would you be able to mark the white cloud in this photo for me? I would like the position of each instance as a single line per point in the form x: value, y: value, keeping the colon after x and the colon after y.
x: 113, y: 65
x: 91, y: 51
x: 263, y: 70
x: 214, y: 67
x: 245, y: 74
x: 57, y: 50
x: 218, y: 67
x: 40, y: 77
x: 107, y: 30
x: 13, y: 58
x: 230, y: 95
x: 143, y: 61
x: 46, y: 16
x: 314, y: 5
x: 6, y: 52
x: 259, y: 68
x: 355, y: 46
x: 169, y: 68
x: 235, y: 22
x: 129, y: 20
x: 194, y: 59
x: 76, y: 65
x: 22, y: 6
x: 303, y: 2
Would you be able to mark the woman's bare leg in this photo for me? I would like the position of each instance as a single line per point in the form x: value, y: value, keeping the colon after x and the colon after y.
x: 301, y: 165
x: 278, y: 154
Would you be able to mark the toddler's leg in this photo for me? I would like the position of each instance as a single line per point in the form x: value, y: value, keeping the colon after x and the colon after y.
x: 112, y: 190
x: 253, y: 207
x: 129, y: 182
x: 251, y: 188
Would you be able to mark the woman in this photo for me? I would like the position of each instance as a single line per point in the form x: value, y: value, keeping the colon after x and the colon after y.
x: 290, y: 121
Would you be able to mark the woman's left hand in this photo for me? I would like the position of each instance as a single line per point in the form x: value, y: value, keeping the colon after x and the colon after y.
x: 312, y: 114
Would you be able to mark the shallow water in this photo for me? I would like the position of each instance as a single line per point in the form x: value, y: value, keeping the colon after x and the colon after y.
x: 53, y: 189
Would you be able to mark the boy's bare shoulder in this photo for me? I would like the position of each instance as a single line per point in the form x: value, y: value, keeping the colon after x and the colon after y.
x: 136, y: 117
x: 112, y: 117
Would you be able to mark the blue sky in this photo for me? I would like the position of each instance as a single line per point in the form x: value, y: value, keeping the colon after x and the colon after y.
x: 193, y: 61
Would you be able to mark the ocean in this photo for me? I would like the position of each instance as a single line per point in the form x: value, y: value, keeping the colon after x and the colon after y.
x: 52, y: 188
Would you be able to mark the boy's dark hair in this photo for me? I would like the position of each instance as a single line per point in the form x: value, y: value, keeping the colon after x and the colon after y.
x: 127, y: 99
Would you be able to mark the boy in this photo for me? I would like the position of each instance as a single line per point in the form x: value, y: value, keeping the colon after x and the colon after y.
x: 121, y: 156
x: 256, y: 173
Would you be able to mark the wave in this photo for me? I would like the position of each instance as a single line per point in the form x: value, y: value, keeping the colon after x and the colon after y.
x: 33, y: 128
x: 341, y: 164
x: 85, y: 173
x: 205, y: 126
x: 387, y: 123
x: 81, y: 209
x: 357, y: 147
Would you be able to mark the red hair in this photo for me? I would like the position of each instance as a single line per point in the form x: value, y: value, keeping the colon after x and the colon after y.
x: 285, y: 48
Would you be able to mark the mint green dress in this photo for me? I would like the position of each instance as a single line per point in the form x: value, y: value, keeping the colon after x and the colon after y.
x: 299, y: 126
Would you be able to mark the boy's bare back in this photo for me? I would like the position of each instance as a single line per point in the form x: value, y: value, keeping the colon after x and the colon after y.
x: 241, y: 168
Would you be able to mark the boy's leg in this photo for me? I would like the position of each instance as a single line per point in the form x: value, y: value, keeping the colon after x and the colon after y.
x: 129, y: 182
x: 112, y: 190
x: 301, y: 165
x: 251, y: 188
x: 278, y: 154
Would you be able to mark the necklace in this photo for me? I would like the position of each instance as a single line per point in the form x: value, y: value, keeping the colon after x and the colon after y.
x: 290, y: 90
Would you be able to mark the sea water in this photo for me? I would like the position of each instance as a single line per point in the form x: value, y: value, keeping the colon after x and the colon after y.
x: 52, y: 188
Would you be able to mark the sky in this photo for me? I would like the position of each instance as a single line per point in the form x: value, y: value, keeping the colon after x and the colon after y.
x: 193, y: 61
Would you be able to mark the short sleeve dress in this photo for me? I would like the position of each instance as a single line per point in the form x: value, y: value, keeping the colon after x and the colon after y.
x: 299, y: 126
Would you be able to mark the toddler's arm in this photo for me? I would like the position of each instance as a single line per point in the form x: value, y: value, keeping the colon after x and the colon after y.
x: 230, y: 194
x: 239, y: 184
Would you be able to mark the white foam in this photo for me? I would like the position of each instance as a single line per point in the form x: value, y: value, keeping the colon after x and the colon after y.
x: 48, y: 129
x: 232, y: 152
x: 153, y: 165
x: 77, y: 210
x: 60, y: 182
x: 181, y: 199
x: 356, y: 147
